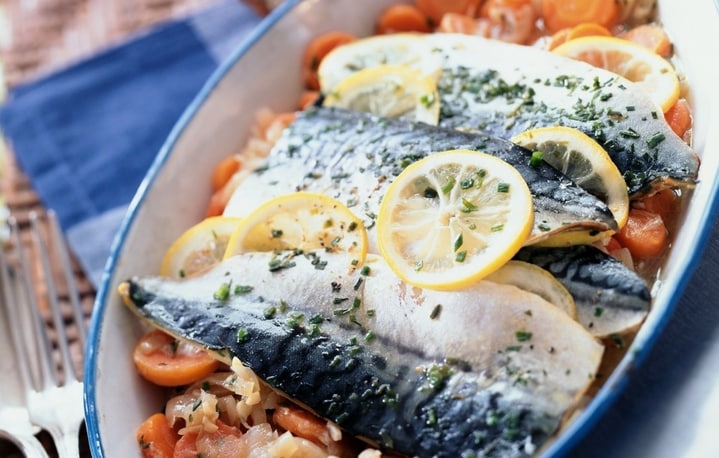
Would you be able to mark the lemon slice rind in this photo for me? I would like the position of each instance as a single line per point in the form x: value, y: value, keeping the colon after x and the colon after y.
x: 452, y: 218
x: 407, y: 49
x: 585, y: 162
x: 391, y: 91
x: 536, y: 280
x: 654, y: 74
x: 304, y: 221
x: 199, y: 247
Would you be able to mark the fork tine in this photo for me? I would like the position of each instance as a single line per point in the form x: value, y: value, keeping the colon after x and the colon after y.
x: 45, y: 363
x: 12, y: 301
x: 58, y: 240
x: 43, y: 253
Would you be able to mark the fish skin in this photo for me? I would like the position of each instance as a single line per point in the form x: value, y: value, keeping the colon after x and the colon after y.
x: 527, y: 88
x: 610, y: 298
x: 366, y: 152
x: 377, y: 392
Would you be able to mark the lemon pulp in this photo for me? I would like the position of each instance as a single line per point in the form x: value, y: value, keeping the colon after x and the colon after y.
x: 303, y: 221
x: 453, y: 217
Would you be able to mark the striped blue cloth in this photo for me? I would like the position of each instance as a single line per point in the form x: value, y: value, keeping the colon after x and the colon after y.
x: 86, y: 135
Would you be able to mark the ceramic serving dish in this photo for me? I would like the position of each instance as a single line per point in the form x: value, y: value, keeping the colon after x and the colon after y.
x: 265, y: 72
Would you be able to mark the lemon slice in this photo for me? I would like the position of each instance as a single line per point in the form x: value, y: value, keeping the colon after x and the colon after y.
x: 391, y: 91
x: 199, y: 247
x: 654, y: 74
x: 406, y: 49
x: 301, y: 221
x: 584, y: 161
x: 453, y: 217
x: 534, y: 279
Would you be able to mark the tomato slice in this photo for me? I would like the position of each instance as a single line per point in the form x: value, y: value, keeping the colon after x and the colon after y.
x: 166, y: 361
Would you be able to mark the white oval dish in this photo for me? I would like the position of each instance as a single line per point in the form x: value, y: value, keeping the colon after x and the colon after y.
x: 265, y: 72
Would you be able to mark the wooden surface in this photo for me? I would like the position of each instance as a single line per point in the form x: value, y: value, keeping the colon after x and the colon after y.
x: 38, y: 37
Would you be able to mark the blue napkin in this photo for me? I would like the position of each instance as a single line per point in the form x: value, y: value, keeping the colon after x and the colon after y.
x: 86, y: 135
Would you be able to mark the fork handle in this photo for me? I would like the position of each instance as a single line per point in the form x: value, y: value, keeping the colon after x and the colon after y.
x: 30, y: 446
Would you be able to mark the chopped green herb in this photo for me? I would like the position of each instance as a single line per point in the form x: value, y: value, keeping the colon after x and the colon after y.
x: 430, y: 193
x: 242, y: 335
x: 365, y: 270
x: 269, y: 312
x: 598, y: 311
x: 497, y: 227
x: 536, y: 159
x: 447, y: 187
x: 243, y: 289
x: 655, y: 140
x: 503, y: 187
x: 467, y: 206
x: 458, y: 242
x: 223, y: 292
x: 276, y: 233
x: 436, y: 311
x: 523, y: 336
x: 461, y: 256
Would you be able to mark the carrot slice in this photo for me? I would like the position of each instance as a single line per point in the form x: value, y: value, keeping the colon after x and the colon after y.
x: 308, y: 98
x: 317, y: 50
x: 558, y: 14
x: 186, y: 447
x: 679, y: 117
x: 645, y: 234
x: 664, y: 203
x: 435, y: 9
x: 156, y: 438
x: 302, y: 423
x: 653, y: 37
x: 489, y: 4
x: 223, y: 171
x: 457, y: 23
x: 402, y: 18
x: 165, y: 361
x: 217, y: 204
x: 587, y: 29
x: 559, y: 37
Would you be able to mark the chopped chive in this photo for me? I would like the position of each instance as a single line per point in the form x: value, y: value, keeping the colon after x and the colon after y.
x: 223, y: 292
x: 242, y: 335
x: 536, y: 159
x: 655, y: 140
x: 243, y: 289
x: 468, y: 206
x: 503, y: 187
x: 497, y: 227
x: 458, y: 242
x: 430, y: 193
x: 276, y: 233
x: 436, y: 311
x: 461, y: 256
x: 523, y: 336
x: 365, y: 271
x: 447, y: 187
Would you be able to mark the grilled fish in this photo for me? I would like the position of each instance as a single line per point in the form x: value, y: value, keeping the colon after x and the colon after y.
x: 354, y: 156
x: 527, y: 88
x: 491, y: 370
x: 610, y: 298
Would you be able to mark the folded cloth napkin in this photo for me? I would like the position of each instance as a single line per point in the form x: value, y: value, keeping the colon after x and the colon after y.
x: 85, y: 136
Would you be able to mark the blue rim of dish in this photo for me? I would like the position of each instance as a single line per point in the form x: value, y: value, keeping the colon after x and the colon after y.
x: 636, y: 354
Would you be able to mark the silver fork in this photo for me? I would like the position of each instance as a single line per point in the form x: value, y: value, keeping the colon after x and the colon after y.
x: 54, y: 399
